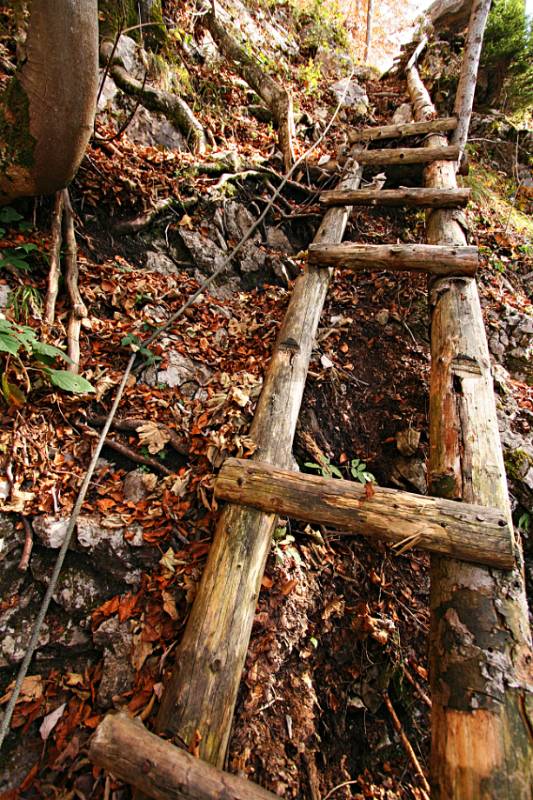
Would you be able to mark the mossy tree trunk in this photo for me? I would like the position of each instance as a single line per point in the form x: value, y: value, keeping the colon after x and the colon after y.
x: 47, y: 110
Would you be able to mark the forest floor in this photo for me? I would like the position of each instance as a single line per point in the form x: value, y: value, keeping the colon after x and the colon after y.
x: 342, y: 624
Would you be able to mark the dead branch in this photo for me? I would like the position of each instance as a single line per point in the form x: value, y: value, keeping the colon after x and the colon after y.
x: 174, y: 108
x: 55, y: 250
x: 130, y: 425
x: 128, y: 452
x: 28, y: 546
x: 406, y: 744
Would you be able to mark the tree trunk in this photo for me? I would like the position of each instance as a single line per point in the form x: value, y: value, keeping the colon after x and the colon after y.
x: 401, y: 519
x: 277, y: 98
x: 480, y: 646
x: 47, y: 111
x: 123, y: 746
x: 466, y: 88
x: 368, y: 42
x: 202, y: 691
x: 436, y: 259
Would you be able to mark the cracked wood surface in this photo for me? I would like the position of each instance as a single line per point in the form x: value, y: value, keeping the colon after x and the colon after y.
x: 402, y: 519
x: 434, y: 198
x: 436, y: 259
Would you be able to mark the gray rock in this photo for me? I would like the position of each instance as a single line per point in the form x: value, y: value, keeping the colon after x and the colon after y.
x: 135, y: 488
x: 118, y: 674
x: 351, y: 95
x: 159, y: 262
x: 154, y: 130
x: 278, y: 239
x: 403, y: 114
x: 238, y: 220
x: 50, y: 530
x: 204, y: 252
x: 407, y: 441
x: 4, y: 294
x: 78, y: 590
x: 409, y: 473
x: 16, y: 626
x: 181, y: 371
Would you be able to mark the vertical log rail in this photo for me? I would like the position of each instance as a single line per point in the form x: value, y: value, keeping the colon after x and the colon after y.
x: 201, y: 693
x: 480, y: 646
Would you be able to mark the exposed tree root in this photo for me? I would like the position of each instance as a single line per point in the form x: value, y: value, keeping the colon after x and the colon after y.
x: 144, y: 220
x: 174, y: 108
x: 276, y: 97
x: 78, y: 309
x: 63, y: 229
x: 55, y: 268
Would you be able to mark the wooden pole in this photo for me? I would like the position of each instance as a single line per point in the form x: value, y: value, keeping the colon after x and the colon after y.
x: 429, y: 198
x: 436, y: 259
x: 402, y: 519
x: 202, y: 690
x: 408, y: 155
x: 466, y: 88
x: 123, y: 746
x: 403, y: 129
x: 480, y: 645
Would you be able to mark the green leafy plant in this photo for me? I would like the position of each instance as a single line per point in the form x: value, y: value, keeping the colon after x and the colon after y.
x: 507, y: 56
x: 21, y: 340
x: 283, y: 546
x: 25, y: 301
x: 136, y: 345
x: 325, y: 467
x: 524, y: 523
x: 15, y: 257
x: 310, y: 75
x: 359, y: 472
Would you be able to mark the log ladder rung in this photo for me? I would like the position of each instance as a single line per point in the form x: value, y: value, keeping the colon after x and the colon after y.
x: 436, y: 259
x: 427, y: 198
x: 403, y: 129
x: 408, y: 155
x: 460, y: 530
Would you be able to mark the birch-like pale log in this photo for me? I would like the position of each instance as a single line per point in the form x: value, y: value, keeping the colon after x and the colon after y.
x: 436, y: 259
x: 123, y: 746
x: 408, y: 155
x: 480, y: 645
x: 403, y: 129
x: 469, y: 532
x: 202, y: 690
x: 466, y: 88
x: 428, y: 198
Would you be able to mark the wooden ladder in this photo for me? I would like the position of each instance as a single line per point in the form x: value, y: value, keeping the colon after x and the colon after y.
x: 465, y: 538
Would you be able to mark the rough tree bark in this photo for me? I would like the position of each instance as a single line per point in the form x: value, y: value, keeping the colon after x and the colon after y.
x: 480, y: 646
x: 47, y: 110
x: 277, y: 98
